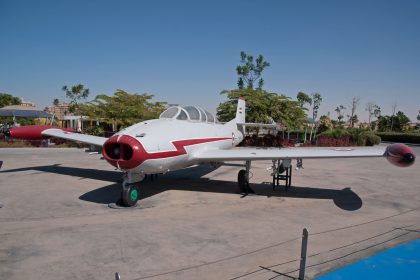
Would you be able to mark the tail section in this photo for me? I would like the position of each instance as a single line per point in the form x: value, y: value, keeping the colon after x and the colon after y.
x: 240, y: 111
x: 240, y: 114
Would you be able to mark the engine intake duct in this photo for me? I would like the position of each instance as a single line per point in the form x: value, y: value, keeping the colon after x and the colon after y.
x: 123, y: 151
x: 118, y: 151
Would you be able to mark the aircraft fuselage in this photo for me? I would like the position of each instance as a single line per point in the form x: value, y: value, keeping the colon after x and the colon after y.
x: 162, y: 145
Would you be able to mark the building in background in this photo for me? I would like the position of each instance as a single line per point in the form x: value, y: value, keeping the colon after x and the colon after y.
x: 25, y: 113
x: 26, y: 103
x: 65, y: 118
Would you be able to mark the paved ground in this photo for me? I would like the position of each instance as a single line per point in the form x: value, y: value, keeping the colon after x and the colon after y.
x: 55, y: 223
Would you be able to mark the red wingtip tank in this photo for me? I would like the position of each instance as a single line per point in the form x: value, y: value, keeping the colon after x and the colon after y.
x: 31, y: 132
x: 400, y: 155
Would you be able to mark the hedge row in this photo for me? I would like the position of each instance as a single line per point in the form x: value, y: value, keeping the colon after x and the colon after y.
x: 399, y: 137
x: 348, y: 137
x: 267, y: 140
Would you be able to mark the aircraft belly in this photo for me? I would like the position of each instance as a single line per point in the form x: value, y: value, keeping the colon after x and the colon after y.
x: 164, y: 165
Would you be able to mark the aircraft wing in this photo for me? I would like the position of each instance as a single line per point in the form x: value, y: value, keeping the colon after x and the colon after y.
x: 84, y: 138
x: 268, y: 125
x: 289, y: 153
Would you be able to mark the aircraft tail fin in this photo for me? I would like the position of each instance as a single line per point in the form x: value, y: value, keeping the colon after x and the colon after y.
x: 240, y: 115
x: 239, y: 120
x: 240, y: 111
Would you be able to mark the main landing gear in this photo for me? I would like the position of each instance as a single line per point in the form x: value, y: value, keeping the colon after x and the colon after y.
x: 243, y: 179
x: 282, y: 171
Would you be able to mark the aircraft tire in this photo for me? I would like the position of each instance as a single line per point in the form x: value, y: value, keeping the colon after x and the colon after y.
x: 242, y: 181
x: 130, y: 195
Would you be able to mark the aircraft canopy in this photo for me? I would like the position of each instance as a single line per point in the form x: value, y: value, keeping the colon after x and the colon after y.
x: 191, y: 113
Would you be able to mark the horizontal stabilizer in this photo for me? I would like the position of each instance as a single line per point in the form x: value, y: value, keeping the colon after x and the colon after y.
x: 267, y: 125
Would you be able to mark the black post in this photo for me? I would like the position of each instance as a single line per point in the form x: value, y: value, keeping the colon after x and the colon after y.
x: 303, y: 254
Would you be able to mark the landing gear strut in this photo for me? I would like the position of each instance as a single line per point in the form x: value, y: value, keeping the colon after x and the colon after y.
x: 130, y: 193
x: 243, y: 179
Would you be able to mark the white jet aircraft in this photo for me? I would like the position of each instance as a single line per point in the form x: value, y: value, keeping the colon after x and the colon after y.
x: 186, y: 136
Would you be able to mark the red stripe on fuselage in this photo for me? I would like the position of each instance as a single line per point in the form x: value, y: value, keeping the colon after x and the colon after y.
x: 180, y: 147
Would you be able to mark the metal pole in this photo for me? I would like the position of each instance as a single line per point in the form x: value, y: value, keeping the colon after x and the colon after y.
x: 303, y: 254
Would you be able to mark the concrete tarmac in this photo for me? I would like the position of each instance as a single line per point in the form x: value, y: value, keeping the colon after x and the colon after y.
x: 193, y: 224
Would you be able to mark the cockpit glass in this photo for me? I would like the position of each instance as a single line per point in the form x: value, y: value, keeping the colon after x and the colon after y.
x: 182, y: 115
x: 169, y: 113
x: 203, y: 115
x: 210, y: 117
x: 193, y: 112
x: 188, y: 113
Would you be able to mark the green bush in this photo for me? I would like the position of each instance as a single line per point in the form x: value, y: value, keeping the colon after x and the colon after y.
x: 363, y: 137
x: 94, y: 130
x: 369, y: 138
x: 335, y: 133
x: 399, y: 137
x: 358, y: 136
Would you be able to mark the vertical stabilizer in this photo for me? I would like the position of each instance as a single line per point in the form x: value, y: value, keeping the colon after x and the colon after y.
x: 240, y: 111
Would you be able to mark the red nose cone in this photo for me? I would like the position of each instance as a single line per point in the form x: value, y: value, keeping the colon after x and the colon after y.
x: 32, y: 132
x: 123, y: 151
x: 400, y: 155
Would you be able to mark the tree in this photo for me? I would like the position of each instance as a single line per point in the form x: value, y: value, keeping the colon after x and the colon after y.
x: 8, y: 99
x: 122, y: 109
x: 354, y: 119
x: 369, y: 109
x: 398, y: 122
x: 258, y: 103
x: 402, y: 122
x: 373, y: 111
x: 76, y: 93
x: 316, y: 102
x: 250, y: 71
x: 394, y: 108
x: 376, y: 111
x: 340, y: 114
x: 325, y: 123
x: 56, y: 102
x: 303, y: 98
x: 354, y: 103
x: 376, y: 114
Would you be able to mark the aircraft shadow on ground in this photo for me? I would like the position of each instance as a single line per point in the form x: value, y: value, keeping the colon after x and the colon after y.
x: 191, y: 179
x: 85, y: 173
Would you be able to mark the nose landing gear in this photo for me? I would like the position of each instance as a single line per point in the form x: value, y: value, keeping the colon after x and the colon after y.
x: 130, y: 192
x: 130, y: 195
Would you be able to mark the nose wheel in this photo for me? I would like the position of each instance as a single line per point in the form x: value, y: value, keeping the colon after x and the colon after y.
x: 130, y: 195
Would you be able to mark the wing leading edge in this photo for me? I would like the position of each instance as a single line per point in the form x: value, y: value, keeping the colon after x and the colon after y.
x: 84, y: 138
x: 289, y: 153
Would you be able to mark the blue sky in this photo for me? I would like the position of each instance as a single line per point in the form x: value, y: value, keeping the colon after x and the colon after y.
x: 186, y: 51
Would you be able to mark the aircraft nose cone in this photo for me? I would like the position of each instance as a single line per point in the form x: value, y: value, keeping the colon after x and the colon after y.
x: 123, y: 151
